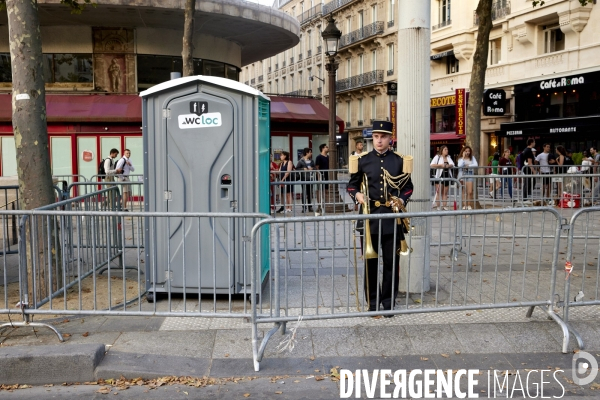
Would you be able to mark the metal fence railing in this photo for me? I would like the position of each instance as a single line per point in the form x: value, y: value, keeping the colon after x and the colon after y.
x: 500, y: 268
x: 582, y: 264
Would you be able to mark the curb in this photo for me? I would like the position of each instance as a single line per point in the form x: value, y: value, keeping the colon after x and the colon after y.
x: 39, y: 365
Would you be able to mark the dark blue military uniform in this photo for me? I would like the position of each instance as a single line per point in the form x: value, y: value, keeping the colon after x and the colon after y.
x: 374, y: 165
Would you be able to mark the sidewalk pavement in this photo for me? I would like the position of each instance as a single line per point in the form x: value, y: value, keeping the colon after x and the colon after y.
x: 152, y: 347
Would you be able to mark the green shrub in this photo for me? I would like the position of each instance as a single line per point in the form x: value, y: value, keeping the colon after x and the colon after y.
x: 577, y: 158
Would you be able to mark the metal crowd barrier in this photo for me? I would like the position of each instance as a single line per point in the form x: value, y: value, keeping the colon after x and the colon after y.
x: 71, y: 247
x: 9, y: 200
x: 328, y: 282
x: 582, y: 264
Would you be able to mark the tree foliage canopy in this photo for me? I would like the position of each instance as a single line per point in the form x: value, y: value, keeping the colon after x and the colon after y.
x: 77, y: 6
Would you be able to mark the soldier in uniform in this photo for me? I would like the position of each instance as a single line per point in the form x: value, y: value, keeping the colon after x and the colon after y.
x: 389, y: 183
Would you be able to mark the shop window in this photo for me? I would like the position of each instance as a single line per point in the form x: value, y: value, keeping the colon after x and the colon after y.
x: 495, y: 51
x: 443, y: 120
x: 451, y: 65
x: 554, y: 39
x: 67, y: 68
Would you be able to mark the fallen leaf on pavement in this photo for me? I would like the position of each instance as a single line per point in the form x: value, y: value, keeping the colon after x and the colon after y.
x: 86, y: 334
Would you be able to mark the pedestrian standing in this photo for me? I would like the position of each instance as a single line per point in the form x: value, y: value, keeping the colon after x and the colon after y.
x: 528, y: 169
x: 467, y: 164
x: 543, y: 160
x: 285, y: 169
x: 322, y: 165
x: 506, y: 164
x: 126, y: 167
x: 306, y: 164
x: 443, y: 162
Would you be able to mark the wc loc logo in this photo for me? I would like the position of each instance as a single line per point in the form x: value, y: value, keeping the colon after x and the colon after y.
x: 208, y: 120
x: 199, y: 107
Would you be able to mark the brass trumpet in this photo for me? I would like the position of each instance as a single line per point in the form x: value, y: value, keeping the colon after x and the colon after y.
x: 398, y: 207
x: 368, y: 251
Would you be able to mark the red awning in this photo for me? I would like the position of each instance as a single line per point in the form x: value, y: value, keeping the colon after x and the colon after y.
x: 446, y: 136
x: 301, y: 110
x: 84, y: 108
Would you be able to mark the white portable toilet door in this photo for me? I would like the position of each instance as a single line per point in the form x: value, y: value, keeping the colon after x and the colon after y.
x: 199, y: 170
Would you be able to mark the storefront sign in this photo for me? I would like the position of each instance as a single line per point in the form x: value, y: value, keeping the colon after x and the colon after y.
x: 393, y: 119
x: 568, y: 129
x: 561, y: 82
x: 445, y: 101
x: 87, y: 155
x: 494, y: 102
x: 368, y: 132
x: 461, y: 111
x: 513, y: 133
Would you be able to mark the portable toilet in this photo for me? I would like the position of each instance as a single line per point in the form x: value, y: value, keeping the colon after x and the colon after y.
x: 206, y: 149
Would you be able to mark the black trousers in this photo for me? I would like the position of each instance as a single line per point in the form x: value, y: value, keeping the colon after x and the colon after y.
x: 528, y: 182
x: 391, y: 266
x: 307, y: 196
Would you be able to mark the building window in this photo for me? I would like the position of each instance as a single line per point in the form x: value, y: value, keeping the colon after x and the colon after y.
x: 360, y: 64
x: 554, y: 39
x: 444, y: 17
x: 374, y: 13
x: 348, y: 117
x: 5, y: 69
x: 348, y: 68
x: 348, y: 25
x: 451, y: 65
x: 373, y: 60
x: 360, y: 109
x: 495, y: 51
x: 361, y: 19
x: 68, y: 68
x: 391, y: 11
x: 300, y: 81
x: 391, y: 57
x: 373, y: 107
x: 277, y: 86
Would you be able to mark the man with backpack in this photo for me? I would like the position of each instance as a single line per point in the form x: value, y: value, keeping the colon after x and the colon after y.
x: 125, y: 167
x: 107, y: 168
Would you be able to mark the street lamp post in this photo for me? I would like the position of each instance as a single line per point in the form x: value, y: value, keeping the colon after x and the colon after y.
x: 331, y: 35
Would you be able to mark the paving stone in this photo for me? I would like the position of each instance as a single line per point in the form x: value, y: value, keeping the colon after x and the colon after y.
x: 175, y: 343
x: 481, y: 338
x: 428, y: 339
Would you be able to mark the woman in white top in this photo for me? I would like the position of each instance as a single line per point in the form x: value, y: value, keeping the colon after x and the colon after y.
x: 443, y: 162
x: 466, y: 164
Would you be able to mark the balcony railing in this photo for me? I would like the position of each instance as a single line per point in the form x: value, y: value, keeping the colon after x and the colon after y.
x: 376, y: 28
x: 300, y: 57
x: 276, y: 66
x: 372, y: 120
x: 291, y: 61
x: 442, y: 24
x: 283, y: 64
x: 319, y: 90
x: 366, y: 79
x: 390, y: 23
x: 360, y: 122
x: 500, y: 9
x: 334, y: 5
x: 318, y: 49
x: 311, y: 14
x: 390, y: 72
x: 260, y: 78
x: 348, y: 124
x: 310, y: 92
x: 309, y: 53
x: 253, y: 81
x: 270, y: 69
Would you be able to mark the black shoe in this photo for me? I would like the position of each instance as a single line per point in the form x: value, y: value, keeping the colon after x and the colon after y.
x: 281, y: 209
x: 310, y: 209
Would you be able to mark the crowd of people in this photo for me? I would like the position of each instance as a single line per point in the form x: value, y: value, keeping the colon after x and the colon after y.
x: 524, y: 171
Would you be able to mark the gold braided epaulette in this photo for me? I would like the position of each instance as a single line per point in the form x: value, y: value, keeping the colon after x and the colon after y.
x: 353, y: 162
x: 407, y: 165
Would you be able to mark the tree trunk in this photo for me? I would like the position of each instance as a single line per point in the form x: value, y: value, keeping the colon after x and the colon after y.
x: 29, y: 123
x: 484, y: 13
x: 188, y: 38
